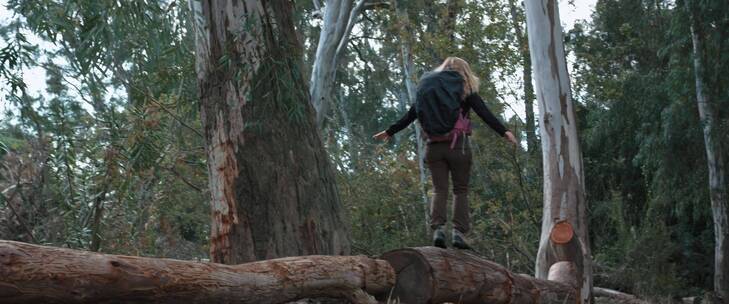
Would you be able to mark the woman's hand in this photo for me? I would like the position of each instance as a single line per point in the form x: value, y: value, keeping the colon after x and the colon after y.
x: 382, y: 136
x: 510, y: 137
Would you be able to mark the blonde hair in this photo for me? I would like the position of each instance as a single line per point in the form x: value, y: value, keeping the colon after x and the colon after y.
x: 470, y: 80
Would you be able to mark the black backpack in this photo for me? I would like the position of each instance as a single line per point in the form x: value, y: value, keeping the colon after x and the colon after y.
x: 438, y: 102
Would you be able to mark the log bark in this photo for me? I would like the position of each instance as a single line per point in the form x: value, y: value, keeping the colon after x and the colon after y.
x: 564, y: 186
x: 714, y: 159
x: 434, y: 275
x: 617, y: 296
x: 272, y: 187
x: 40, y: 274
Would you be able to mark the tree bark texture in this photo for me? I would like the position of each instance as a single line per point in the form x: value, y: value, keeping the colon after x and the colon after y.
x: 435, y: 275
x: 564, y: 194
x: 272, y: 187
x: 339, y: 18
x: 714, y: 159
x: 40, y: 274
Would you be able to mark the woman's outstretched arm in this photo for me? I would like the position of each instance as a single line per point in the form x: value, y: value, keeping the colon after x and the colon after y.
x: 405, y: 121
x: 478, y: 106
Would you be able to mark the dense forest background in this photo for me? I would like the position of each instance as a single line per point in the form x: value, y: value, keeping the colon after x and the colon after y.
x: 111, y: 157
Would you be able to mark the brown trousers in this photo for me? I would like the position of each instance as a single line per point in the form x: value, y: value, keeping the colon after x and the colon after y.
x: 442, y: 162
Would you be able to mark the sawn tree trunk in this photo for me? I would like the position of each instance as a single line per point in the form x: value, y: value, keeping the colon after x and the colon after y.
x: 39, y: 274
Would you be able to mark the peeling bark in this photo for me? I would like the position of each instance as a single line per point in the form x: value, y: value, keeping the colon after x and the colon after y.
x: 564, y: 194
x: 714, y: 160
x: 39, y: 274
x: 271, y: 184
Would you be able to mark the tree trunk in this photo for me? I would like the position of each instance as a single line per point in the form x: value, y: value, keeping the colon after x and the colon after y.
x: 564, y: 194
x: 272, y: 187
x: 434, y: 275
x: 453, y: 8
x: 39, y: 274
x: 715, y: 162
x: 106, y: 138
x: 353, y: 148
x: 339, y: 18
x: 409, y: 80
x: 96, y: 224
x: 523, y: 45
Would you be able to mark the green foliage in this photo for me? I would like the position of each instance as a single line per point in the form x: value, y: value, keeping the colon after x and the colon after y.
x: 119, y: 124
x: 380, y: 183
x: 17, y: 54
x: 386, y: 210
x: 644, y: 150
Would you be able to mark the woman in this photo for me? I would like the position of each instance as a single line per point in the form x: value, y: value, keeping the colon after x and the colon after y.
x: 451, y: 154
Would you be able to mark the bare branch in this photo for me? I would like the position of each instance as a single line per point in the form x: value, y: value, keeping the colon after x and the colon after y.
x: 376, y: 4
x: 183, y: 179
x: 15, y: 212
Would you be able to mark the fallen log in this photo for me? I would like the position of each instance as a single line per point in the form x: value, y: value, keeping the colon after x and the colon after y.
x: 40, y: 274
x: 617, y: 297
x: 434, y: 275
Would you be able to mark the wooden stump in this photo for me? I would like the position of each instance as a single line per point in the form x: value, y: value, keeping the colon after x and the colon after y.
x: 564, y: 255
x: 434, y: 275
x: 40, y: 274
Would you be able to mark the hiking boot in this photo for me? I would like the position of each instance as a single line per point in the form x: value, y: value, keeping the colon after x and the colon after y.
x: 439, y: 237
x: 459, y: 241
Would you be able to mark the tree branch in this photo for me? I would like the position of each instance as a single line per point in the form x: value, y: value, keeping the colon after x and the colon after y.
x: 372, y: 4
x: 15, y: 212
x: 183, y: 179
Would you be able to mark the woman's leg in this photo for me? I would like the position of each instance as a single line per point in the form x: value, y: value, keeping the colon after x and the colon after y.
x: 459, y: 161
x: 435, y: 159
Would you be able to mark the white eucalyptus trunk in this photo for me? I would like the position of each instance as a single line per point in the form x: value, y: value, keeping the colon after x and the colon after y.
x: 564, y: 194
x: 715, y: 162
x: 339, y: 18
x: 523, y: 45
x: 409, y: 79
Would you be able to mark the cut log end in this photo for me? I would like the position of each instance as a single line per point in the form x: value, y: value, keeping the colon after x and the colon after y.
x: 564, y: 272
x: 411, y: 285
x: 562, y: 232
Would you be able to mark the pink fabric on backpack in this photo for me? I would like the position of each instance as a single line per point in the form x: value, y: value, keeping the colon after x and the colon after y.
x: 462, y: 127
